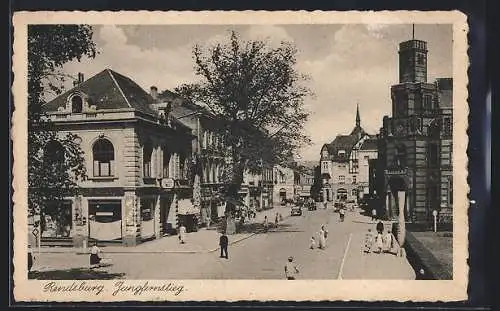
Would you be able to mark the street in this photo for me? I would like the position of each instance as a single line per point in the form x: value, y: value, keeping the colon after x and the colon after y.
x: 263, y: 255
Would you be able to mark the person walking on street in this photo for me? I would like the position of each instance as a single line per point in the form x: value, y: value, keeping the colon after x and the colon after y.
x: 374, y: 214
x: 95, y: 256
x: 266, y: 224
x: 379, y: 243
x: 223, y: 243
x: 342, y: 213
x: 368, y: 241
x: 182, y: 234
x: 291, y: 269
x: 322, y: 238
x: 276, y: 220
x: 388, y: 242
x: 380, y: 227
x: 312, y: 244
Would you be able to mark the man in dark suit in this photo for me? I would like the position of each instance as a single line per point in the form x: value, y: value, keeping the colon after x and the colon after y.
x: 223, y: 243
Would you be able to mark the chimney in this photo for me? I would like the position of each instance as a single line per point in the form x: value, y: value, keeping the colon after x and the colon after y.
x: 78, y: 80
x: 154, y: 92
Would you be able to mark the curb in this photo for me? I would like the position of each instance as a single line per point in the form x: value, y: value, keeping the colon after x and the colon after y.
x: 132, y: 251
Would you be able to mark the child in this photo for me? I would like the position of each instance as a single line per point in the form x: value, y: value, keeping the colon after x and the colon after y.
x: 342, y: 213
x: 379, y: 243
x: 95, y: 258
x: 368, y: 241
x: 291, y: 269
x: 312, y: 245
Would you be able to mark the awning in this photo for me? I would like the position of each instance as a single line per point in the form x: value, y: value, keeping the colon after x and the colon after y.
x: 185, y: 207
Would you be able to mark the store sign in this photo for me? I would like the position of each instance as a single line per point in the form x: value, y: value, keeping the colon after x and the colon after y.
x: 167, y: 183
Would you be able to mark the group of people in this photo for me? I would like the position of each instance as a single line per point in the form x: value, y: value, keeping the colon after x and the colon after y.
x: 277, y: 219
x: 322, y: 236
x: 379, y: 243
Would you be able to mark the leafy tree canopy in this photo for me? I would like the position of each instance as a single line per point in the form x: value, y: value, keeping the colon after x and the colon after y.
x: 55, y: 162
x: 257, y: 91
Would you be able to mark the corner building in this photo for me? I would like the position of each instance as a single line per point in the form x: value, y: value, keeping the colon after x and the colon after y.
x: 415, y: 144
x: 137, y: 160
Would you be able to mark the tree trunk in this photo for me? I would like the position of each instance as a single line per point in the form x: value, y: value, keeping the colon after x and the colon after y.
x: 232, y: 192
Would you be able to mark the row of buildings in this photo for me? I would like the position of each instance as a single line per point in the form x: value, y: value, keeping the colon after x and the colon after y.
x: 142, y: 151
x: 408, y: 164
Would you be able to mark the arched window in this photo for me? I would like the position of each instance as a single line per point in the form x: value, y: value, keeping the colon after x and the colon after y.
x: 166, y: 162
x: 53, y: 153
x: 104, y: 156
x: 147, y: 153
x: 76, y: 104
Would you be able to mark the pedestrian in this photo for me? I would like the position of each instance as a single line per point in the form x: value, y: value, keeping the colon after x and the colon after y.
x: 281, y: 217
x: 379, y: 243
x: 95, y: 256
x: 342, y: 213
x: 380, y: 227
x: 276, y: 220
x: 266, y: 224
x: 30, y: 258
x: 374, y: 214
x: 322, y: 238
x: 223, y: 243
x: 182, y: 234
x: 291, y: 269
x: 209, y: 219
x: 388, y: 242
x: 368, y: 241
x: 312, y: 244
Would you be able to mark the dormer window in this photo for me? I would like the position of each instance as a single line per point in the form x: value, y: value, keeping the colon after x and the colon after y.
x: 76, y: 104
x: 341, y: 153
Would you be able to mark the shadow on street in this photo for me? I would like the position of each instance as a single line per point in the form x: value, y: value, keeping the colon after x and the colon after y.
x: 74, y: 274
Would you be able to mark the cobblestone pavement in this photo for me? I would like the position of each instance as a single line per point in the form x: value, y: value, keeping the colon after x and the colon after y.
x: 261, y: 255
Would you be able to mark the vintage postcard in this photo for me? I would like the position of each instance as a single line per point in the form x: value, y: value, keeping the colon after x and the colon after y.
x: 232, y: 156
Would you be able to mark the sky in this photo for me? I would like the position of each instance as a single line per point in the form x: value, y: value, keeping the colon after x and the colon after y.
x: 348, y: 64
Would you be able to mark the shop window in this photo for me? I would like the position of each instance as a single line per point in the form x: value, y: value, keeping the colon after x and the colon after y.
x: 56, y: 220
x: 76, y: 104
x: 447, y: 126
x: 147, y: 153
x: 104, y: 156
x: 147, y: 208
x: 354, y: 179
x: 105, y: 211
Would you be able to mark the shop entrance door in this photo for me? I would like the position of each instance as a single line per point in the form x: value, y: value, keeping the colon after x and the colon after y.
x: 105, y: 220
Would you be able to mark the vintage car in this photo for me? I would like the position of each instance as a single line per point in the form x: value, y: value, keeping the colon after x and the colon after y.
x: 296, y: 210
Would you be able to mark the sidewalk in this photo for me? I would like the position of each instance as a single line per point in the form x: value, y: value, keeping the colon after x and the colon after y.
x: 203, y: 241
x: 360, y: 265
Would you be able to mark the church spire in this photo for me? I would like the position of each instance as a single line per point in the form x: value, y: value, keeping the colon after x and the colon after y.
x: 358, y: 119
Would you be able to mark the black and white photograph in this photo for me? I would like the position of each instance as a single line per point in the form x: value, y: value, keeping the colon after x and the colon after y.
x: 158, y: 153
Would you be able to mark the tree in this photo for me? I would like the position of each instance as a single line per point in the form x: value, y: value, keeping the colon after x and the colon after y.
x: 55, y: 162
x: 257, y: 92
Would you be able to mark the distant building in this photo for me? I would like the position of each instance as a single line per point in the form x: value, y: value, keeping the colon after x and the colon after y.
x: 284, y: 184
x: 304, y: 180
x: 137, y: 159
x: 416, y: 142
x: 345, y: 164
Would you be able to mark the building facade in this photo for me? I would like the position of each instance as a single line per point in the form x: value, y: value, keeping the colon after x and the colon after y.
x: 416, y: 142
x: 284, y: 184
x: 137, y: 160
x: 344, y: 165
x: 209, y: 147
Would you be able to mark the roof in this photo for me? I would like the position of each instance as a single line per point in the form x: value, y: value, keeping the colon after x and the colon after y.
x: 358, y: 130
x: 108, y: 90
x: 342, y: 142
x: 369, y: 144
